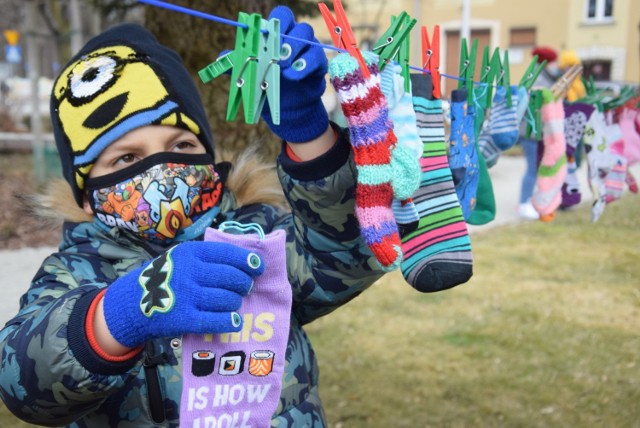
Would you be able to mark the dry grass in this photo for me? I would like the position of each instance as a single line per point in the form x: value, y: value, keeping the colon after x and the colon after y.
x: 544, y: 335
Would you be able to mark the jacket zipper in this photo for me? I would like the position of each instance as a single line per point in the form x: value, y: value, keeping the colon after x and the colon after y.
x: 156, y: 400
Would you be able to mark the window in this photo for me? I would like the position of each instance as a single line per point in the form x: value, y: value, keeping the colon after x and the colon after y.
x: 522, y: 37
x: 599, y: 10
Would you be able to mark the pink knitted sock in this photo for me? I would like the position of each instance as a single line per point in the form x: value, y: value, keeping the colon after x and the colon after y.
x: 553, y: 165
x: 372, y: 138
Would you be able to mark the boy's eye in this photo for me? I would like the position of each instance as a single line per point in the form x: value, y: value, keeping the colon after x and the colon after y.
x: 128, y: 158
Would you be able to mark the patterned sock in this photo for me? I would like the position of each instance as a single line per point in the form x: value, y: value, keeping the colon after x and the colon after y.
x: 484, y: 209
x: 504, y: 121
x: 437, y: 256
x: 406, y: 154
x: 223, y: 373
x: 372, y: 137
x: 628, y: 117
x: 631, y: 182
x: 615, y: 180
x: 599, y: 159
x: 487, y: 147
x: 553, y: 164
x: 576, y: 116
x: 463, y: 155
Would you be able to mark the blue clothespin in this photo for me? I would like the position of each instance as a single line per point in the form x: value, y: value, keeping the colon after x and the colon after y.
x: 394, y: 45
x: 243, y: 62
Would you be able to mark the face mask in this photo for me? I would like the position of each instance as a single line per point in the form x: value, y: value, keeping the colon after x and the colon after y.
x: 164, y: 198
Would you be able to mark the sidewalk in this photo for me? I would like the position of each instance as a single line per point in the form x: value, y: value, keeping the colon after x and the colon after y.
x: 18, y: 267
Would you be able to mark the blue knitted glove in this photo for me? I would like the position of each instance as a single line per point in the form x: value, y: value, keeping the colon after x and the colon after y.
x: 195, y: 287
x: 302, y: 83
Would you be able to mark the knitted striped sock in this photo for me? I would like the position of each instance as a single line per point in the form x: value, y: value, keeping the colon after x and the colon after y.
x: 406, y: 153
x: 463, y: 157
x: 372, y: 137
x: 553, y: 165
x: 437, y: 256
x: 615, y: 179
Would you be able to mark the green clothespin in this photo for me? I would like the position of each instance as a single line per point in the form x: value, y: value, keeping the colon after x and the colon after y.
x: 243, y: 62
x: 467, y: 67
x: 394, y: 45
x: 269, y: 69
x: 626, y: 93
x: 534, y: 115
x: 532, y: 73
x: 503, y: 77
x: 487, y: 76
x: 594, y: 95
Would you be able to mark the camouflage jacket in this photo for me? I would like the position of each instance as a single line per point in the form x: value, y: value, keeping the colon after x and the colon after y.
x: 50, y: 375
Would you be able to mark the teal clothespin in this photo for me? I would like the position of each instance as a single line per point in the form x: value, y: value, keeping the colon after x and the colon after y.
x: 394, y: 45
x: 532, y: 73
x: 534, y: 114
x: 243, y: 62
x: 467, y: 67
x: 269, y: 69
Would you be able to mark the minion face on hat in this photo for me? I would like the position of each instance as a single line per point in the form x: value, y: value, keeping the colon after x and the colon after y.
x: 121, y: 80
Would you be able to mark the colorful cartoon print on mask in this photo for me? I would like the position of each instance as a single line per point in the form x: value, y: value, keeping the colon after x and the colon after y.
x: 164, y: 198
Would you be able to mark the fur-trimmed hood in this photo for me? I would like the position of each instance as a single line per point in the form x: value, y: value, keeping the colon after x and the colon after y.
x: 251, y: 180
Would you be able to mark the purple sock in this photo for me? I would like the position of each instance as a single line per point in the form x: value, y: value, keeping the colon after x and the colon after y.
x: 235, y: 379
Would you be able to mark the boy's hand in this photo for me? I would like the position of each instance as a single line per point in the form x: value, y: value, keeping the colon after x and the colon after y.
x: 302, y: 82
x: 195, y: 287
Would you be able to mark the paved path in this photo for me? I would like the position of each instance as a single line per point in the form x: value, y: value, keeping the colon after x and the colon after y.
x: 18, y: 267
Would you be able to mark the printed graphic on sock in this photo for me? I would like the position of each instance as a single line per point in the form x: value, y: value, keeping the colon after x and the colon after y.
x: 600, y: 161
x: 372, y: 137
x: 247, y: 366
x: 576, y: 116
x: 463, y: 155
x: 437, y: 256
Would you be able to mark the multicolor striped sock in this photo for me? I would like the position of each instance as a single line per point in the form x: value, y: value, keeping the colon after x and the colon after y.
x: 553, y: 165
x: 437, y: 256
x: 615, y: 180
x: 372, y: 137
x: 463, y: 156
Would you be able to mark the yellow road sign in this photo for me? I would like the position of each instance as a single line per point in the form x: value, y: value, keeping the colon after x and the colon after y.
x: 12, y: 37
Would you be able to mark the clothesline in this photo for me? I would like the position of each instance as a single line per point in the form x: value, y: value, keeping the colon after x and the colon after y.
x: 210, y: 17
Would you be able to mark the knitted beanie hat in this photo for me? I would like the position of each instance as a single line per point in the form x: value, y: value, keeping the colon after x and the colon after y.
x: 121, y: 80
x: 545, y: 53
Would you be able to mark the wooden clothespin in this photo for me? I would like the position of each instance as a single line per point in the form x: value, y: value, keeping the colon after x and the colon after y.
x: 253, y: 51
x: 503, y: 77
x: 562, y: 85
x: 431, y: 58
x: 532, y: 73
x: 342, y: 34
x: 467, y: 67
x: 394, y: 45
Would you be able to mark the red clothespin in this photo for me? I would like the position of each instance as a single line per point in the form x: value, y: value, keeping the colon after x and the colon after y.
x: 431, y: 58
x: 341, y: 32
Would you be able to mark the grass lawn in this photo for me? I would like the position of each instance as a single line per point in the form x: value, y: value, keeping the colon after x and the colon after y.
x: 545, y: 334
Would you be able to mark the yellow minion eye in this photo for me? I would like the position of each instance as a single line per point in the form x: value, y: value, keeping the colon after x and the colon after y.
x: 92, y: 76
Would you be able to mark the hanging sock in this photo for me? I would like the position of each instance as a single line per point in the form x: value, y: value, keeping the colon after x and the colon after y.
x: 553, y: 164
x: 484, y: 210
x: 437, y: 256
x: 463, y: 155
x: 407, y: 151
x: 600, y: 161
x: 372, y: 137
x: 576, y: 116
x: 631, y: 136
x: 615, y: 180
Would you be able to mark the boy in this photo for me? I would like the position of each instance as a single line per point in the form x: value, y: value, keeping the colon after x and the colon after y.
x: 97, y: 342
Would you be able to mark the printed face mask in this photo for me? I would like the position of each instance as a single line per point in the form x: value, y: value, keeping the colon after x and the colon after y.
x: 164, y: 198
